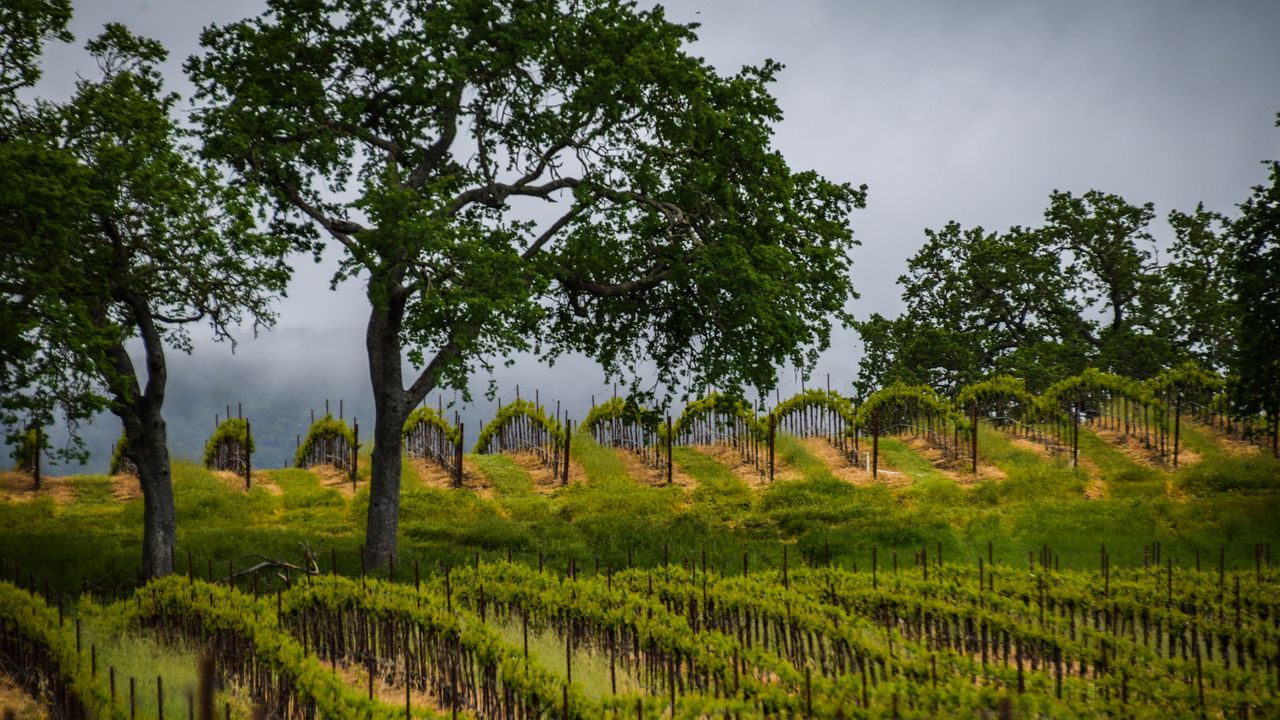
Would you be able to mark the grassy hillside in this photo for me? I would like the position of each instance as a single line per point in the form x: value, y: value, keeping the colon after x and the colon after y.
x: 614, y: 513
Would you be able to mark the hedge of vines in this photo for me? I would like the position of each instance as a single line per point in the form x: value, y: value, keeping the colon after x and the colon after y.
x: 30, y: 443
x: 235, y: 430
x: 429, y: 417
x: 717, y: 406
x: 512, y: 412
x: 39, y: 646
x: 624, y: 423
x: 920, y: 640
x: 625, y: 410
x: 326, y: 429
x: 120, y: 463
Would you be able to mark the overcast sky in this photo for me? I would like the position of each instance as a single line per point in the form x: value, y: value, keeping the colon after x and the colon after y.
x: 947, y: 110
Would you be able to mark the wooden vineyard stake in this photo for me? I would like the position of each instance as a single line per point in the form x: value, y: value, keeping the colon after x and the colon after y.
x: 1075, y: 434
x: 670, y: 443
x: 35, y: 466
x: 355, y: 450
x: 1177, y: 424
x: 772, y: 429
x: 973, y: 415
x: 568, y: 435
x: 247, y: 480
x: 875, y: 448
x: 457, y: 458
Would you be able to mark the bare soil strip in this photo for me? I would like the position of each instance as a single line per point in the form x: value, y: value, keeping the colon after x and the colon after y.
x: 20, y: 487
x: 746, y: 472
x: 958, y: 470
x: 1229, y: 445
x: 23, y: 706
x: 1132, y: 447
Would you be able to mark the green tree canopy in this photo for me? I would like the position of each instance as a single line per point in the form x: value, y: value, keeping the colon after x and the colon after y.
x: 115, y: 240
x: 1201, y: 278
x: 1109, y: 269
x: 978, y: 303
x: 1255, y: 367
x: 529, y: 175
x: 1040, y: 303
x: 25, y: 25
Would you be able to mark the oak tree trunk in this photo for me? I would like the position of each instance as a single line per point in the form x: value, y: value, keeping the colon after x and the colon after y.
x: 147, y: 447
x: 391, y: 408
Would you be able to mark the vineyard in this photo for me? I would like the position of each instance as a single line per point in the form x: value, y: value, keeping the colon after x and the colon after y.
x: 1102, y: 549
x: 925, y: 639
x: 1048, y: 485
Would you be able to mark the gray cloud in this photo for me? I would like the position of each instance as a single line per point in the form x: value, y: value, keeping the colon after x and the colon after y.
x: 948, y: 110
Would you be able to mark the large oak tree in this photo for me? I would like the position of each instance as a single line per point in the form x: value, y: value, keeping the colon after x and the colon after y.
x: 539, y: 175
x: 116, y: 240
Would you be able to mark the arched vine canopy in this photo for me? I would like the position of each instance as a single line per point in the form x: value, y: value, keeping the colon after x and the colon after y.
x: 1093, y: 382
x: 120, y: 463
x: 1000, y: 392
x: 1188, y: 377
x: 428, y: 416
x: 30, y: 444
x: 508, y: 413
x: 625, y: 409
x: 327, y: 426
x: 233, y: 429
x: 828, y: 399
x: 899, y: 398
x: 721, y: 405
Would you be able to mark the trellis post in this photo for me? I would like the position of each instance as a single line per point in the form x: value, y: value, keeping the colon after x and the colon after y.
x: 1075, y: 433
x: 36, y: 464
x: 973, y: 417
x: 772, y: 427
x: 457, y: 458
x: 247, y: 459
x: 875, y: 447
x: 568, y: 435
x: 355, y: 450
x: 1177, y: 424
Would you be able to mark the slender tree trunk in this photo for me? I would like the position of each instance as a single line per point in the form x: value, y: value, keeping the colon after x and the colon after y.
x: 391, y: 409
x: 147, y: 447
x: 146, y: 438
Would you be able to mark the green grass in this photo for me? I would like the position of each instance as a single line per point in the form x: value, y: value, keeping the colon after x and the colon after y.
x: 1123, y: 476
x: 143, y: 658
x: 718, y: 495
x: 92, y: 490
x: 613, y: 519
x: 590, y: 670
x: 508, y: 478
x: 790, y: 452
x: 1219, y: 474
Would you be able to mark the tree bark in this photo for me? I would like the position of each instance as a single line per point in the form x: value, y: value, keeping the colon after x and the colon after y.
x: 147, y: 446
x: 146, y: 438
x: 391, y: 408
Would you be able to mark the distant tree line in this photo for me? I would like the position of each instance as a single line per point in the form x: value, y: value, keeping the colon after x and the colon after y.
x: 1087, y: 288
